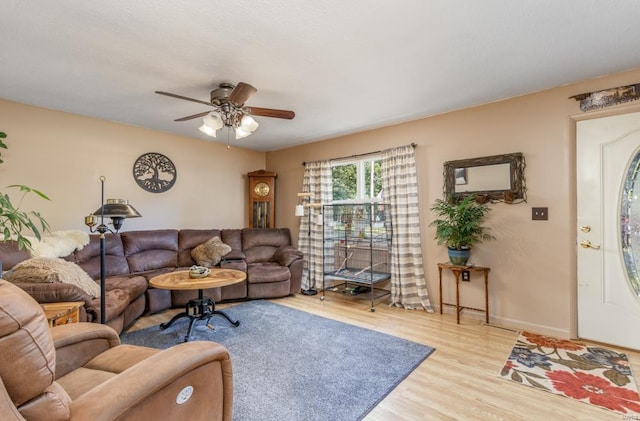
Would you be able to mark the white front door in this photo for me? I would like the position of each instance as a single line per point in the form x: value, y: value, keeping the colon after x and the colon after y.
x: 609, y: 229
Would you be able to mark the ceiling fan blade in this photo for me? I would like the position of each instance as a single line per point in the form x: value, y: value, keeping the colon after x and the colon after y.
x: 270, y: 112
x: 191, y: 117
x: 182, y: 97
x: 241, y: 93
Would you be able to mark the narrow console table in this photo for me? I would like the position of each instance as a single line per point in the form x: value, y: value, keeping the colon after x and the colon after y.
x: 457, y: 273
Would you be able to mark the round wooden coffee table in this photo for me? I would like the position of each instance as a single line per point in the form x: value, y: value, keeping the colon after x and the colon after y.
x: 203, y: 307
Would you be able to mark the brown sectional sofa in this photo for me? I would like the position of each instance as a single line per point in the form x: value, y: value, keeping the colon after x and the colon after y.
x: 273, y: 267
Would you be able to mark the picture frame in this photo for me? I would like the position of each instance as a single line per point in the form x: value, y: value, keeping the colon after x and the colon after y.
x: 516, y: 184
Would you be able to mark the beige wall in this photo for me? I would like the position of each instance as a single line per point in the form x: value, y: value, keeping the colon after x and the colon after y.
x: 533, y: 263
x: 532, y: 282
x: 64, y: 156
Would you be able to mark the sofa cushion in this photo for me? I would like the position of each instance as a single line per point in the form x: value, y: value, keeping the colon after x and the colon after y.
x: 134, y: 286
x: 260, y: 244
x: 24, y: 327
x: 10, y: 255
x: 233, y: 237
x: 49, y: 270
x: 115, y: 262
x: 116, y: 301
x: 209, y: 253
x: 258, y: 273
x: 52, y: 405
x: 148, y: 250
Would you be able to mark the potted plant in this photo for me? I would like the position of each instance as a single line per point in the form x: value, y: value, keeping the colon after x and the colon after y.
x: 15, y: 222
x: 459, y: 225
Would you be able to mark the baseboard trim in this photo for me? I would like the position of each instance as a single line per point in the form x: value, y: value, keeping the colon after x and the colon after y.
x: 513, y: 324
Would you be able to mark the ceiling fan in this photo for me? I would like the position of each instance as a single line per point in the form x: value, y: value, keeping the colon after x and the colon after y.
x: 229, y: 110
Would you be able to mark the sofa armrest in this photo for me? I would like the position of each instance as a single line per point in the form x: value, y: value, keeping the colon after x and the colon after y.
x: 149, y: 389
x: 55, y: 292
x: 286, y: 255
x: 78, y: 343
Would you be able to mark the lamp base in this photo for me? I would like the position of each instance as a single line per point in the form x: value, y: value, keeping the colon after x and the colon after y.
x: 310, y: 291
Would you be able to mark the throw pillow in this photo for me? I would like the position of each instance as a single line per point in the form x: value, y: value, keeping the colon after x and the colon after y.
x: 209, y: 253
x: 49, y: 270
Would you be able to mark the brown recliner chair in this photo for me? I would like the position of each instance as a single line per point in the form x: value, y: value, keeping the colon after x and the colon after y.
x: 80, y: 371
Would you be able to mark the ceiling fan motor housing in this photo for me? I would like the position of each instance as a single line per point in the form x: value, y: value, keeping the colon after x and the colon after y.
x: 221, y: 95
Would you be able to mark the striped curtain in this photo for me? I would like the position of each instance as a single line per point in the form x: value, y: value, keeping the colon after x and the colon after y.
x: 317, y: 181
x: 400, y: 186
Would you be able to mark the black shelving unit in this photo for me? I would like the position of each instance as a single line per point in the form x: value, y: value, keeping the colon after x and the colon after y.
x: 356, y: 250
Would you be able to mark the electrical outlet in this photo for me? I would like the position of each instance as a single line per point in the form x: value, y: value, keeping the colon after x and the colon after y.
x: 539, y: 214
x: 466, y: 275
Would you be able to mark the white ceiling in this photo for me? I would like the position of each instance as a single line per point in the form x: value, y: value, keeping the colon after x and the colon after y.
x: 342, y: 65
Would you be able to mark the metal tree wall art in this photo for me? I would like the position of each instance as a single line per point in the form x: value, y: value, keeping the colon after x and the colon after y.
x: 154, y: 172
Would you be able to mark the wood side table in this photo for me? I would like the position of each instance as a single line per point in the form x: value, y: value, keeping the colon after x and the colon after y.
x: 457, y: 272
x: 62, y: 313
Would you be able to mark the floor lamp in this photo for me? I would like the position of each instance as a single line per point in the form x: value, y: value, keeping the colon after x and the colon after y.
x: 300, y: 212
x: 117, y: 210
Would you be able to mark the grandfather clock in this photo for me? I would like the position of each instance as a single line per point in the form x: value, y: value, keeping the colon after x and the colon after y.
x: 262, y: 196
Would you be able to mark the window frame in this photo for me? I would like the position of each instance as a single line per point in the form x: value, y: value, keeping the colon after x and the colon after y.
x: 360, y: 179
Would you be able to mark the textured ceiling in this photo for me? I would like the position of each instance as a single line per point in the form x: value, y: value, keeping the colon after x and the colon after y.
x: 342, y: 66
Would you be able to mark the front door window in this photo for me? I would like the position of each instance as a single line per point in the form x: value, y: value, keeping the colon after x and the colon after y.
x: 630, y: 223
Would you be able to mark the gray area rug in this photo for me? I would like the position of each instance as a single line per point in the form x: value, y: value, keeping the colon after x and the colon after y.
x: 293, y: 365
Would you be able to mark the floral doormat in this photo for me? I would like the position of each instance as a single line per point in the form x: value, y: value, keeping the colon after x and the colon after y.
x: 589, y: 374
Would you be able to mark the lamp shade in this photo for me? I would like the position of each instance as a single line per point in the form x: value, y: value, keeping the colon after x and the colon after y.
x: 240, y: 133
x: 118, y: 208
x: 248, y: 123
x: 210, y: 123
x: 207, y: 130
x: 213, y: 121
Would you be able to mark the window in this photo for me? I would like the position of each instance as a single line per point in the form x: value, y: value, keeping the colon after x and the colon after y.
x: 357, y: 181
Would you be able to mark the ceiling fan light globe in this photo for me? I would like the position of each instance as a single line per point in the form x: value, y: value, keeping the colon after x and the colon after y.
x: 248, y: 123
x: 213, y: 121
x: 207, y: 130
x: 240, y: 133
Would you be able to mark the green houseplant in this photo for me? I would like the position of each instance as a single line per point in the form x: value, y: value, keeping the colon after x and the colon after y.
x: 15, y: 222
x: 459, y: 225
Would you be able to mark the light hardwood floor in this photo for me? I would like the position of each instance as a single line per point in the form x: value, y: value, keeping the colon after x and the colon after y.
x: 459, y: 381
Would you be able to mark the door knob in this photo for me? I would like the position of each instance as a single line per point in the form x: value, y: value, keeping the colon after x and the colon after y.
x: 587, y: 245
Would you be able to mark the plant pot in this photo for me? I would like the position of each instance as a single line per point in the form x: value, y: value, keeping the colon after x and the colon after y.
x: 459, y: 256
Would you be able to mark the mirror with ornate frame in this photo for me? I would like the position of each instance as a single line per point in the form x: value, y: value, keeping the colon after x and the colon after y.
x: 497, y: 177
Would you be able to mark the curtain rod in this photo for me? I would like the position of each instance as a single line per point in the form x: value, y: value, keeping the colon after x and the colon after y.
x: 413, y: 145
